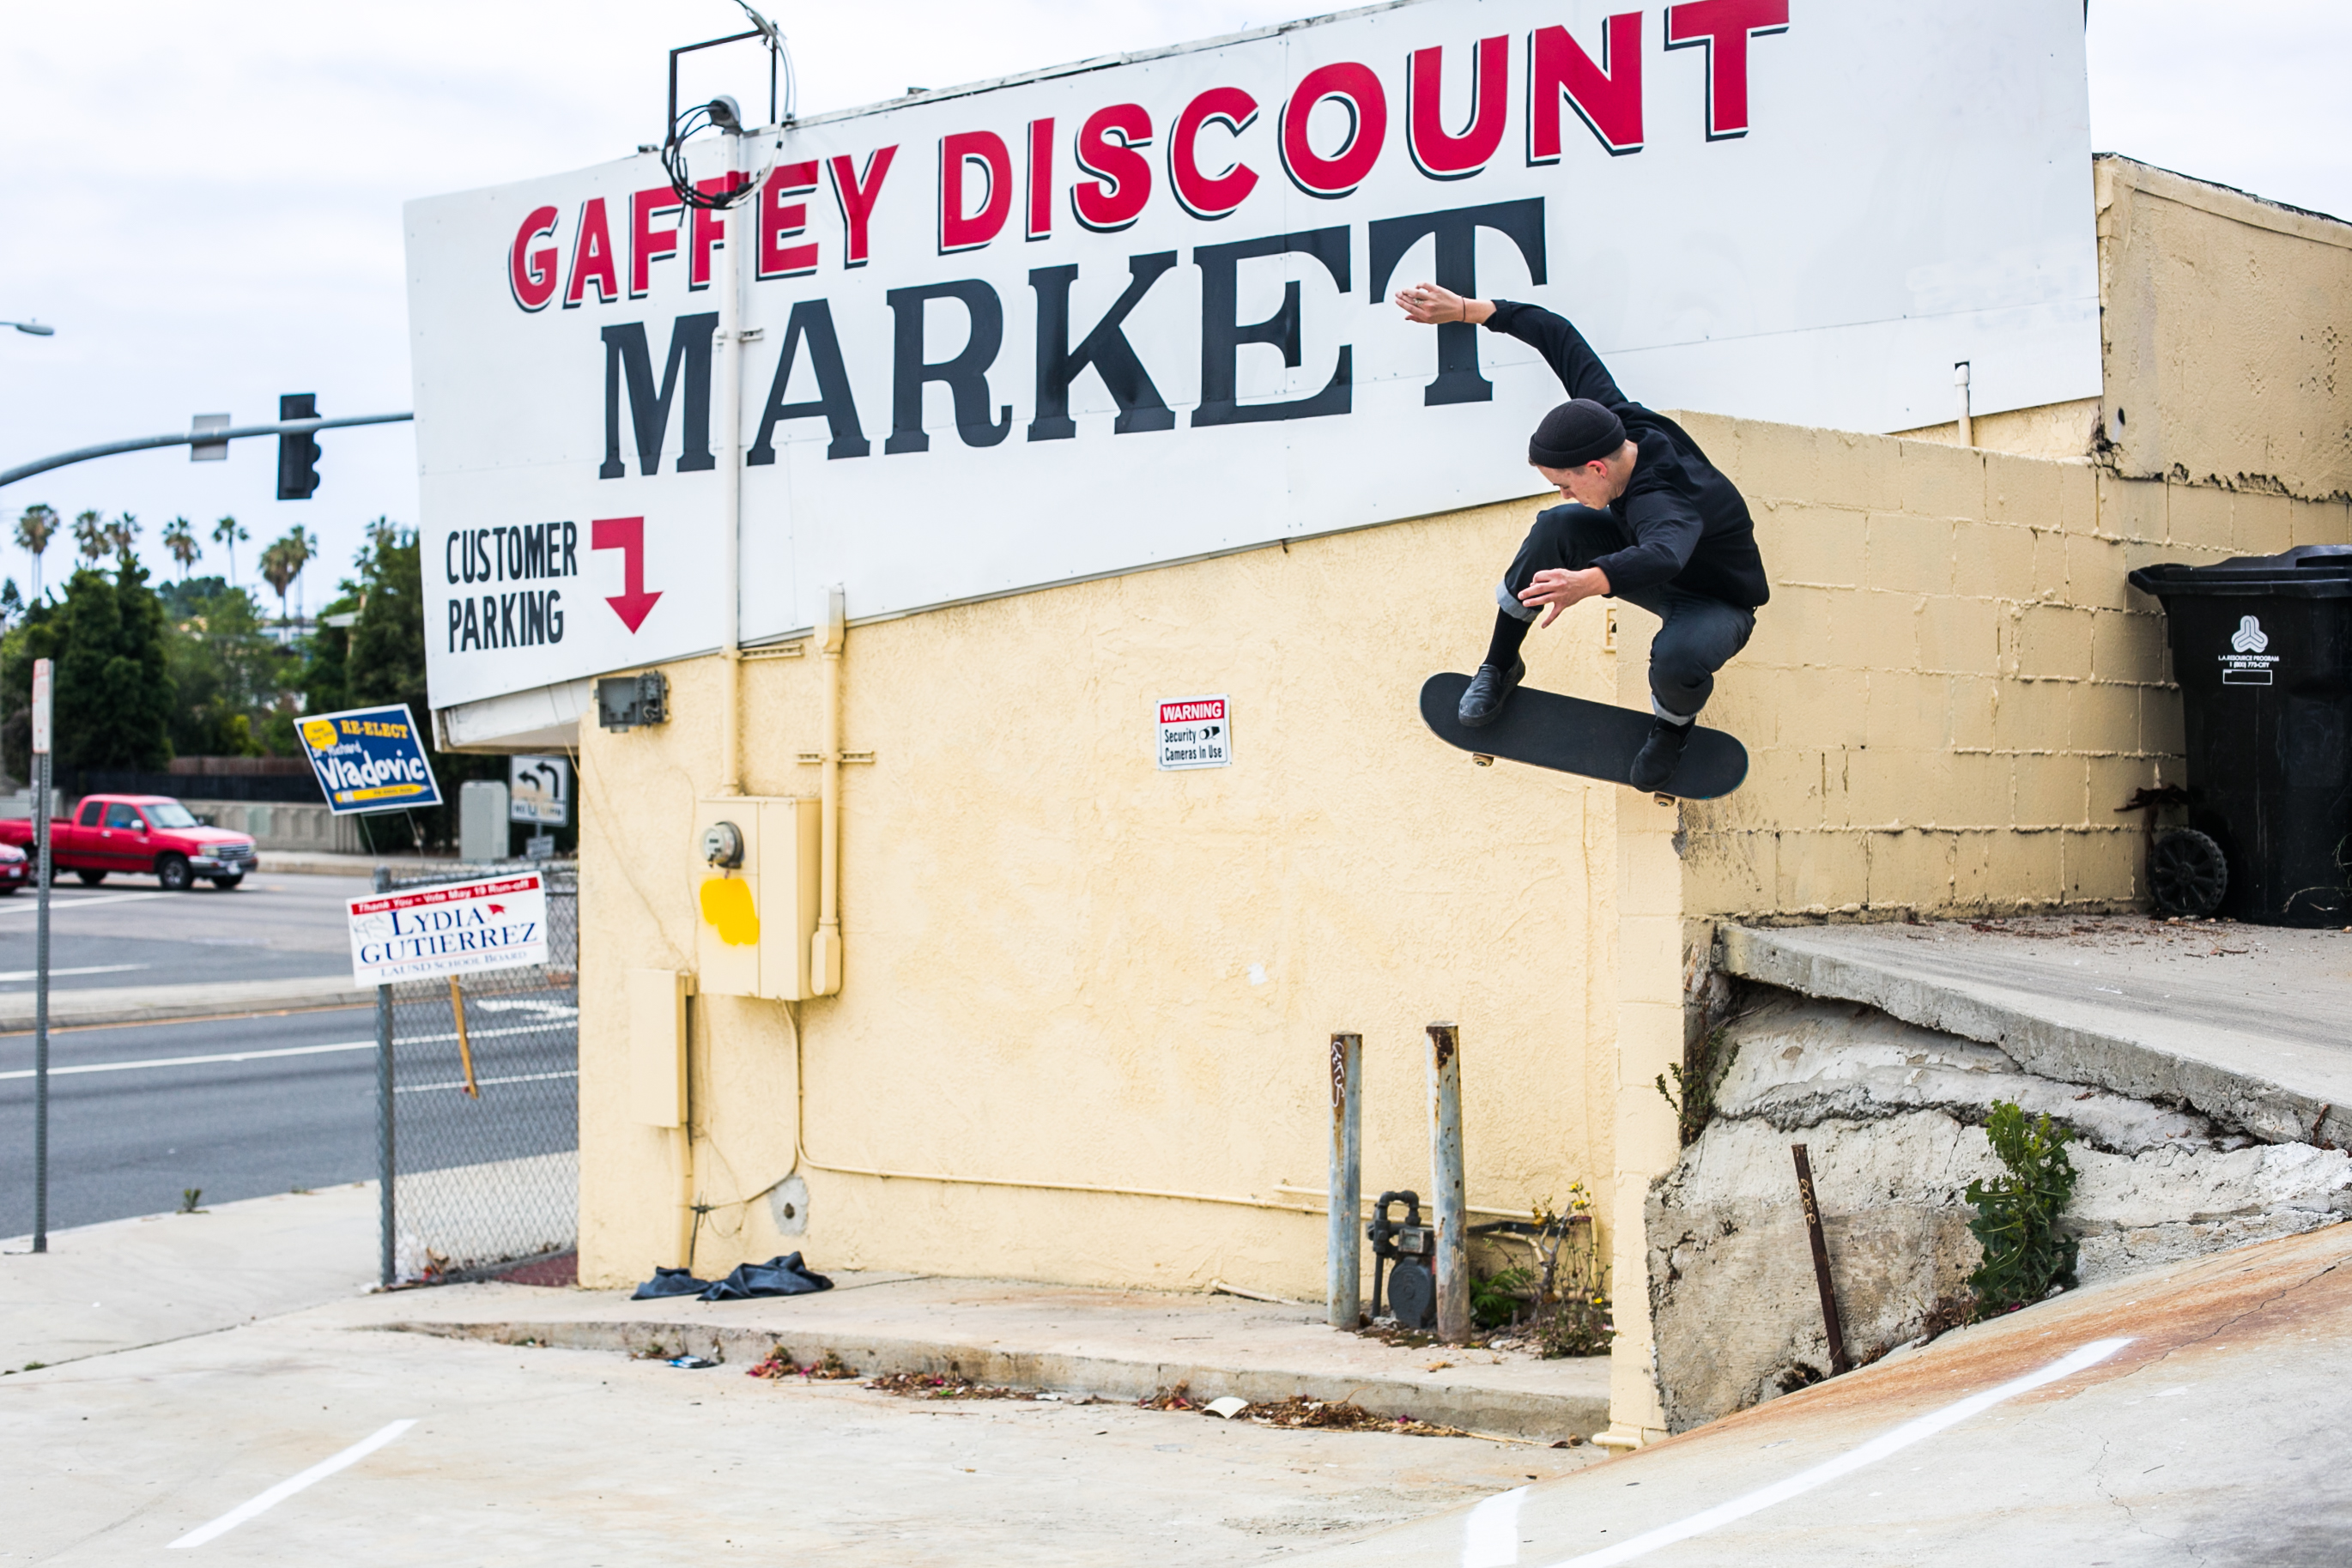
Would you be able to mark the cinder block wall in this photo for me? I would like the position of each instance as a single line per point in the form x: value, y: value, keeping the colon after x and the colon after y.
x: 1954, y: 688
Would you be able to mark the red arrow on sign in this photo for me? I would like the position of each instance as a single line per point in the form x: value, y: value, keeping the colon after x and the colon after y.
x: 627, y: 535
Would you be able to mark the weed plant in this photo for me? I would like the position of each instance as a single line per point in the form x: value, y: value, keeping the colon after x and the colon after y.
x: 2028, y: 1251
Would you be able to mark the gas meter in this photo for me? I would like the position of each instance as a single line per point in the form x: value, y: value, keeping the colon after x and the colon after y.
x: 1403, y: 1255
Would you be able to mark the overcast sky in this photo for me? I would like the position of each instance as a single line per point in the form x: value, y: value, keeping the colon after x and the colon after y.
x: 206, y: 201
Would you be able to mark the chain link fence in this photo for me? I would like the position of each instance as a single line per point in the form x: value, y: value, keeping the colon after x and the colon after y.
x: 484, y: 1113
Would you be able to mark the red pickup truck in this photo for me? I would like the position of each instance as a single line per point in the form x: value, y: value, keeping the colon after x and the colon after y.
x: 146, y: 835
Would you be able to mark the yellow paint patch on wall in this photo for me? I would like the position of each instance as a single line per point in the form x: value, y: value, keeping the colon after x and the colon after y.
x: 727, y: 905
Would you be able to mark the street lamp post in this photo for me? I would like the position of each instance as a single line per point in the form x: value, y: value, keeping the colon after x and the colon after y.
x: 36, y: 328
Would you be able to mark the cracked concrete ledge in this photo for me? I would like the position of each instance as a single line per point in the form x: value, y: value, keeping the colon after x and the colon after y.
x: 2278, y: 1090
x: 1535, y: 1416
x: 1892, y: 1112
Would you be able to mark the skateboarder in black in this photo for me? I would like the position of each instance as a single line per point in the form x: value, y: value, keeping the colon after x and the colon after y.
x: 1647, y: 519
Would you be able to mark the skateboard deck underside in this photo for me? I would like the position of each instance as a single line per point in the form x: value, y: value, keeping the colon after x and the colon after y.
x: 1597, y: 740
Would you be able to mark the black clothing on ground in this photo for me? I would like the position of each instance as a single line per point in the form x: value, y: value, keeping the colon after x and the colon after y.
x: 1679, y: 522
x: 1700, y: 632
x: 783, y: 1276
x: 1577, y: 432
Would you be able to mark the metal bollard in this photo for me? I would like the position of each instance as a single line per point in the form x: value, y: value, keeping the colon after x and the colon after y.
x: 1445, y: 1177
x: 1342, y: 1254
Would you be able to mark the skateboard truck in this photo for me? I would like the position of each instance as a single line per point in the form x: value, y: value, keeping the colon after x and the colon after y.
x: 1482, y: 759
x: 1662, y: 798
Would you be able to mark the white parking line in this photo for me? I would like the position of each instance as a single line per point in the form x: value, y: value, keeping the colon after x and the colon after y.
x: 84, y: 969
x: 287, y: 1488
x: 1846, y: 1464
x: 67, y: 906
x: 1490, y: 1536
x: 260, y: 1055
x: 482, y: 1082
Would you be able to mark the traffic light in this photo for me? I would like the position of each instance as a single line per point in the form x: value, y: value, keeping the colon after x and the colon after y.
x: 298, y: 455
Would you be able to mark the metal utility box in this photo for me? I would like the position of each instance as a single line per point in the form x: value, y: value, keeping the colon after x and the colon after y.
x: 656, y: 999
x: 755, y: 942
x: 482, y: 821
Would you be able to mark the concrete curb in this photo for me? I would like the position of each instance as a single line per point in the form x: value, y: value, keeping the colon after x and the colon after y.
x: 163, y: 1004
x: 2025, y: 1026
x: 1536, y: 1418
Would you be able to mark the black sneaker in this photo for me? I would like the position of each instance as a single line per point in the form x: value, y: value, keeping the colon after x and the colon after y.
x: 1481, y: 700
x: 1654, y: 763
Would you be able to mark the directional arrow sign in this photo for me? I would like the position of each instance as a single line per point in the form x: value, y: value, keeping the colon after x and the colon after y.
x: 627, y: 535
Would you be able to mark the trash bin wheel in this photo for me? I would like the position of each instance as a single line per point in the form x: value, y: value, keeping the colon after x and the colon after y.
x: 2187, y: 873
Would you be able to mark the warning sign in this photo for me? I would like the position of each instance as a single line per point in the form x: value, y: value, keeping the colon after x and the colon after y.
x: 1194, y: 733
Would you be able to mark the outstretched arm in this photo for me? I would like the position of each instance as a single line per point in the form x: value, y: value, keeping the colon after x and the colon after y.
x: 1562, y: 346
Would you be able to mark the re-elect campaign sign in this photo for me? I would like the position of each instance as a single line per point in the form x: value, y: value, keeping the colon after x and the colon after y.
x: 1136, y: 311
x: 455, y: 929
x: 370, y: 759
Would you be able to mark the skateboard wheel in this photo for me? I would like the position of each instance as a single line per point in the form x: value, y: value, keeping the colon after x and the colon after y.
x: 1662, y: 798
x: 1482, y: 759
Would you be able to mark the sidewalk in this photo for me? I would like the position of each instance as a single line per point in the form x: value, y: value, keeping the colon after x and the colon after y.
x: 129, y: 1282
x: 84, y: 1007
x: 1119, y: 1344
x: 308, y: 1259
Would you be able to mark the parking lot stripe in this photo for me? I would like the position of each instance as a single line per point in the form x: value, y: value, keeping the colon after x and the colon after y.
x: 1846, y: 1464
x: 292, y: 1484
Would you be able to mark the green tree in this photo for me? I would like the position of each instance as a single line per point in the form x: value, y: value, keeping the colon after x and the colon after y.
x: 113, y: 698
x: 34, y: 530
x: 228, y: 672
x: 384, y: 662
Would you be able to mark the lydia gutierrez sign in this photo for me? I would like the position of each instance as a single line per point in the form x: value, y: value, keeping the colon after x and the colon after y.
x: 1134, y: 311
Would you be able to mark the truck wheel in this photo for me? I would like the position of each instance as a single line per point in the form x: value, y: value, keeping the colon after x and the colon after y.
x: 173, y: 872
x: 228, y: 883
x: 91, y: 878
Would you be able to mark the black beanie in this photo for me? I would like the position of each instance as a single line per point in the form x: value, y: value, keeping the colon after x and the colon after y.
x: 1574, y: 433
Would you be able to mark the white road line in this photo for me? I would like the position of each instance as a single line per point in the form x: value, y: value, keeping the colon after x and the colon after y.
x: 84, y: 969
x: 292, y: 1484
x: 1490, y: 1536
x: 482, y: 1082
x: 1846, y: 1464
x: 261, y: 1055
x: 67, y: 905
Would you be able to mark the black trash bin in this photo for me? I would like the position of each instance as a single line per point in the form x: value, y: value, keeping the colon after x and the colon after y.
x: 2262, y: 648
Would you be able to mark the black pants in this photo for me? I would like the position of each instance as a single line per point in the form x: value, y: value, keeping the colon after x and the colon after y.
x: 1697, y: 634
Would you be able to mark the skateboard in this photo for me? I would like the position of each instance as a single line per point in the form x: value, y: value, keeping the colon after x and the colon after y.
x: 1544, y: 729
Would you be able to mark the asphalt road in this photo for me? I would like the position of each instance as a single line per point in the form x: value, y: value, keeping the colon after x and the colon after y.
x: 299, y: 1110
x: 126, y: 932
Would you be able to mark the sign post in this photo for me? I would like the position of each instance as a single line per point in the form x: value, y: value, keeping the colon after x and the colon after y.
x: 41, y: 681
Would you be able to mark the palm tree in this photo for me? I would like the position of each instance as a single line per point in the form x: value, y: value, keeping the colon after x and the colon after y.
x: 181, y: 540
x: 277, y: 570
x: 230, y: 533
x: 34, y: 531
x: 121, y: 534
x: 90, y: 537
x: 301, y: 544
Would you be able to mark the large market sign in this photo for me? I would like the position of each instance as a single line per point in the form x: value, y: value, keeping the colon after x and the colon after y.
x: 1133, y: 311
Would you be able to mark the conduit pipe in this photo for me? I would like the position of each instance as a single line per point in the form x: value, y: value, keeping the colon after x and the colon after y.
x: 730, y: 369
x: 825, y: 950
x: 804, y: 1160
x: 1960, y: 391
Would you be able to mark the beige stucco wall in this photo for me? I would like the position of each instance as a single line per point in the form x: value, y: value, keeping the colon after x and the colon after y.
x: 2225, y: 320
x: 1050, y: 944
